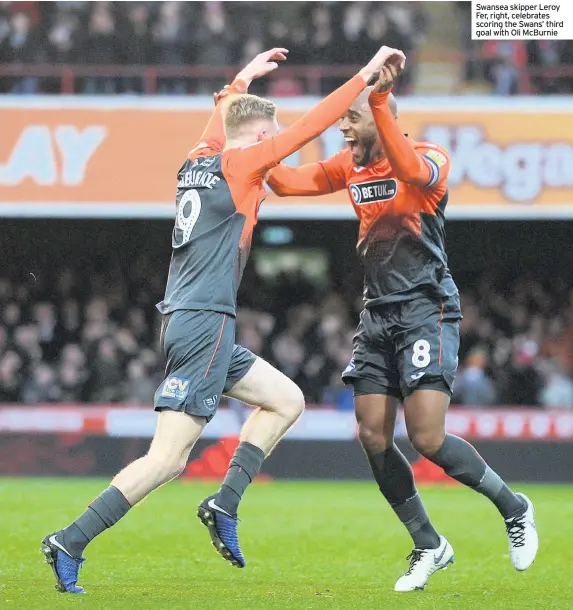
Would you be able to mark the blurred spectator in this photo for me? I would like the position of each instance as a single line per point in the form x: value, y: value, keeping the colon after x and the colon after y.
x: 101, y: 46
x: 139, y: 387
x: 72, y: 382
x: 354, y: 23
x: 62, y: 39
x: 505, y: 71
x: 11, y: 376
x: 41, y: 386
x: 170, y: 36
x: 24, y: 46
x: 137, y: 49
x: 107, y: 372
x: 323, y: 49
x: 473, y: 386
x: 558, y: 390
x: 215, y: 38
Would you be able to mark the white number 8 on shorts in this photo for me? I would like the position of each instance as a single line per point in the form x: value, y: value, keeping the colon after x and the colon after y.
x: 421, y: 355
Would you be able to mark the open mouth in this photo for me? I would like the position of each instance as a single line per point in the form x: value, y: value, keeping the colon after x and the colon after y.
x: 351, y: 143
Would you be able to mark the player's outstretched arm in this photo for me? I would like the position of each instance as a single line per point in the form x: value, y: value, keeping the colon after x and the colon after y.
x: 213, y: 135
x: 259, y: 158
x: 408, y: 164
x: 318, y: 178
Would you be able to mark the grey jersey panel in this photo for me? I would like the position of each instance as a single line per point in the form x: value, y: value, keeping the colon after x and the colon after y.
x: 204, y: 270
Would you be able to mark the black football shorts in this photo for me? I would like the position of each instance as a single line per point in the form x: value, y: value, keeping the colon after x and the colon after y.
x: 405, y: 346
x: 203, y: 361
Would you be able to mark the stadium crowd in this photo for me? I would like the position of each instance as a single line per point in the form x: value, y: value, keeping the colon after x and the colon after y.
x: 217, y: 34
x: 201, y: 33
x: 90, y: 334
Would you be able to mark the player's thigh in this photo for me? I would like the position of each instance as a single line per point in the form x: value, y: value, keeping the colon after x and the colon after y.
x: 372, y: 368
x: 175, y: 435
x: 376, y: 418
x: 427, y: 345
x: 242, y: 360
x: 198, y: 346
x: 266, y: 387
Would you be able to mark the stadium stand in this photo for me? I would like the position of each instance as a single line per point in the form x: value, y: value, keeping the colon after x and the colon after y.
x: 89, y: 334
x: 176, y: 48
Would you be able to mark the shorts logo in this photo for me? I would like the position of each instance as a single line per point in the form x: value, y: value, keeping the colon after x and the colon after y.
x: 210, y: 403
x: 373, y: 192
x: 351, y: 367
x: 436, y: 157
x: 175, y: 387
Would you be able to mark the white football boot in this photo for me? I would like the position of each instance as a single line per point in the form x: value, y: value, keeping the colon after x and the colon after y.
x: 423, y: 563
x: 523, y: 539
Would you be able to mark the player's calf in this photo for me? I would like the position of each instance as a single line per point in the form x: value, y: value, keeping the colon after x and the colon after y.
x: 425, y: 419
x: 279, y: 403
x: 175, y: 436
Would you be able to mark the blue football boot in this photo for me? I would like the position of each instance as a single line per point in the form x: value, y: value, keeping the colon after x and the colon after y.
x: 222, y: 528
x: 65, y: 567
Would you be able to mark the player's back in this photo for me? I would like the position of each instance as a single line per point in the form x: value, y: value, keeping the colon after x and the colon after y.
x: 211, y: 237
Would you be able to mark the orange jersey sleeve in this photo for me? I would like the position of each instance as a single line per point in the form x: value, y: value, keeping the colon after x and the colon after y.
x: 213, y: 136
x: 255, y: 160
x: 408, y: 163
x: 312, y: 179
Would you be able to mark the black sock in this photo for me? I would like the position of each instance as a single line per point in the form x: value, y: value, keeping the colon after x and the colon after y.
x: 395, y: 479
x: 464, y: 464
x: 243, y: 468
x: 106, y: 510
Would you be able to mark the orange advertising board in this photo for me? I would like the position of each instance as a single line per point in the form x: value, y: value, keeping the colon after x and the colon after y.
x: 100, y: 157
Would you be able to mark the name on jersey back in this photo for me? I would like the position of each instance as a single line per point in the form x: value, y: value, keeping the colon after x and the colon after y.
x: 198, y: 178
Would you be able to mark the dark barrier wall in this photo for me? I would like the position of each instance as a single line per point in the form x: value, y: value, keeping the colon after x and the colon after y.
x: 54, y: 455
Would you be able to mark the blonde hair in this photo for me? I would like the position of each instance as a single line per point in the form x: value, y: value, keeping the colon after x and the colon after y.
x: 245, y: 108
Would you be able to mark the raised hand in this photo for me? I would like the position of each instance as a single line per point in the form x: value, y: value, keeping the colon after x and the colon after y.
x: 387, y: 76
x: 262, y: 64
x: 385, y: 57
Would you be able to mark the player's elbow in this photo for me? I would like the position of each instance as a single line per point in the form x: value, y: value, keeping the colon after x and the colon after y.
x: 279, y: 191
x: 277, y: 188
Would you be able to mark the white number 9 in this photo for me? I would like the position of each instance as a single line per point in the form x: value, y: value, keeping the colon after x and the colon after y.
x: 421, y: 355
x: 186, y: 223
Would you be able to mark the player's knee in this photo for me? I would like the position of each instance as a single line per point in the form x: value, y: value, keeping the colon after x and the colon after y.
x: 373, y: 439
x: 294, y: 403
x: 427, y: 443
x: 166, y: 467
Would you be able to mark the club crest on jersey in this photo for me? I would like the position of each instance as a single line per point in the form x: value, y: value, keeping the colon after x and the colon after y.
x: 207, y: 161
x: 175, y: 387
x: 373, y: 192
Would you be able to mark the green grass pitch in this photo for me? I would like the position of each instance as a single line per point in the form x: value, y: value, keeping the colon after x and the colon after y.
x: 308, y: 545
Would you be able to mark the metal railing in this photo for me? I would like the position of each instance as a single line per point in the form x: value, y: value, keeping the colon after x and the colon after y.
x: 150, y: 76
x: 68, y: 79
